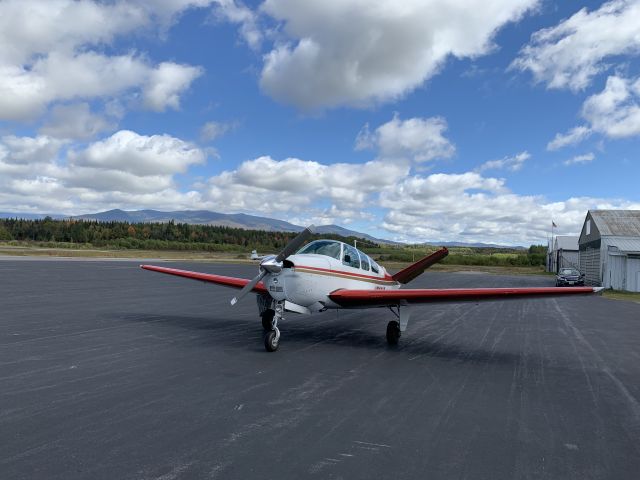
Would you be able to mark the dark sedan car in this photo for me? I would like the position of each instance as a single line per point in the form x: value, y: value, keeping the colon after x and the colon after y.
x: 569, y: 277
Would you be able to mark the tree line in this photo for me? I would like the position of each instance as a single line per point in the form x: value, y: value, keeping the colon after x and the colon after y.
x: 148, y: 236
x: 73, y: 233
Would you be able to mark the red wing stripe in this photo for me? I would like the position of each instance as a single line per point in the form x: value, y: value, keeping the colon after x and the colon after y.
x: 353, y: 298
x: 207, y: 277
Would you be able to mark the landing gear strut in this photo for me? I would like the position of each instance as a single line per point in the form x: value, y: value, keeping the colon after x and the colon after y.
x: 393, y: 332
x: 272, y: 336
x: 267, y: 318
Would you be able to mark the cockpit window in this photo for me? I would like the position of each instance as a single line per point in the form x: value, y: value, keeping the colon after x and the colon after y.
x: 364, y: 261
x: 374, y: 266
x: 323, y: 247
x: 350, y: 256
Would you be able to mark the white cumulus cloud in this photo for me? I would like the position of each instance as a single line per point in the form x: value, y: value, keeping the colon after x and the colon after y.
x: 580, y: 159
x: 212, y: 130
x: 570, y: 54
x: 572, y: 137
x: 615, y: 112
x: 357, y: 52
x: 472, y: 208
x: 53, y: 51
x: 292, y: 185
x: 419, y: 139
x: 75, y: 121
x: 512, y: 163
x: 140, y: 154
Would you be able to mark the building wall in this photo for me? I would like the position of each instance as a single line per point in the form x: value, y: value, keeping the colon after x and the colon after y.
x: 590, y: 246
x: 615, y: 272
x: 620, y: 270
x: 633, y: 273
x: 593, y: 235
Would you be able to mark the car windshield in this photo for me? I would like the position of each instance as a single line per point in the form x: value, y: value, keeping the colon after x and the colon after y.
x: 329, y: 248
x: 569, y: 271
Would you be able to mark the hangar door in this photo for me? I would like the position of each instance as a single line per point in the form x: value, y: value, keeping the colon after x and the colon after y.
x: 633, y: 273
x: 590, y: 265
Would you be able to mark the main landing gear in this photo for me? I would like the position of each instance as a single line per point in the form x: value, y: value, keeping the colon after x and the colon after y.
x: 393, y: 332
x: 270, y: 320
x: 395, y: 328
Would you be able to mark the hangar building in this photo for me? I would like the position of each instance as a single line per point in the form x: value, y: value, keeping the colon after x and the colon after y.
x: 610, y: 249
x: 564, y: 253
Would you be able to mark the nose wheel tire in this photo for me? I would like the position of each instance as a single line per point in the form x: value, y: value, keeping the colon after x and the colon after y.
x: 393, y: 333
x: 267, y: 318
x: 272, y: 340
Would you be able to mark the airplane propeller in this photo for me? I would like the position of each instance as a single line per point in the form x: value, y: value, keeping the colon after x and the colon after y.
x: 273, y: 264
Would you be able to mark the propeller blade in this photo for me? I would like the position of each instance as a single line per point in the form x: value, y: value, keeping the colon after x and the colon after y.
x: 248, y: 287
x: 296, y: 243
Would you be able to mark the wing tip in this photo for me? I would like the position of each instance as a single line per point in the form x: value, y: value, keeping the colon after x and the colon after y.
x: 598, y: 290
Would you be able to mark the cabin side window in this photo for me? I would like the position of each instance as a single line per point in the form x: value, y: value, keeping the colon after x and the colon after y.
x: 350, y: 256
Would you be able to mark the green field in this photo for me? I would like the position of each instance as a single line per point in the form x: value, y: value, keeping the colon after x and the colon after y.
x: 621, y: 295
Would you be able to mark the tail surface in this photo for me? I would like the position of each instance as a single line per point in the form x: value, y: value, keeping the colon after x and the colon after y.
x: 415, y: 269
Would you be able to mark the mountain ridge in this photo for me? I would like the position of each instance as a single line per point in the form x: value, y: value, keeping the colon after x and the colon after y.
x: 233, y: 220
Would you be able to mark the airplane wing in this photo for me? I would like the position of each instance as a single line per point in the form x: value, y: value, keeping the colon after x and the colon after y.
x: 382, y: 298
x: 207, y: 277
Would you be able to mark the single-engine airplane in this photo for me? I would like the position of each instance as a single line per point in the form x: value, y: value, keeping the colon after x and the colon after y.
x: 328, y: 274
x: 255, y: 256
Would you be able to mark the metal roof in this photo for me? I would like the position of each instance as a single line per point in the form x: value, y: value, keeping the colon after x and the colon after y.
x: 628, y: 245
x: 617, y: 222
x: 566, y: 242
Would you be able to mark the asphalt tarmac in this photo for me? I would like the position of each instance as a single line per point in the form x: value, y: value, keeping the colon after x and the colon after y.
x: 111, y: 372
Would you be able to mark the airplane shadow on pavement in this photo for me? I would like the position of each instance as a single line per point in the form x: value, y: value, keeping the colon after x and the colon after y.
x: 242, y: 333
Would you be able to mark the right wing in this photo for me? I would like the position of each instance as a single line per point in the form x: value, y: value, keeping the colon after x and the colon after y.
x: 383, y: 298
x: 207, y: 277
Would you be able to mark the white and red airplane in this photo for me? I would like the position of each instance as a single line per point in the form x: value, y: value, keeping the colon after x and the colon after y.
x: 328, y: 274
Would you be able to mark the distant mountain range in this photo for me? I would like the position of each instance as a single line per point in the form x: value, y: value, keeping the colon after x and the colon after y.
x: 201, y: 217
x: 235, y: 220
x: 33, y: 216
x: 477, y: 245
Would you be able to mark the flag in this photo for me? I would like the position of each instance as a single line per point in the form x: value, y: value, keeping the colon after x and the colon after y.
x: 553, y: 224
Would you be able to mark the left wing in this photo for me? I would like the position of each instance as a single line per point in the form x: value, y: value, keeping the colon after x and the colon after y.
x: 207, y: 277
x: 382, y: 298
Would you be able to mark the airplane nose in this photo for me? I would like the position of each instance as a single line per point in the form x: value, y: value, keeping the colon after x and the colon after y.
x: 271, y: 265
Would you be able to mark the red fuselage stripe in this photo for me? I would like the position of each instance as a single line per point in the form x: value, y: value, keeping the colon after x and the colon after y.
x: 386, y: 278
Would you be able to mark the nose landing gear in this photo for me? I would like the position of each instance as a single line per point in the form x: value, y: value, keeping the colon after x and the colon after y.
x: 272, y: 335
x: 267, y: 318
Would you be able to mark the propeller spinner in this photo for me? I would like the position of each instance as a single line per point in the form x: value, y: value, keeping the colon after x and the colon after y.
x: 273, y: 264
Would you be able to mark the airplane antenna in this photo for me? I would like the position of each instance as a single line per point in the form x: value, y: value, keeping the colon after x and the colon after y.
x: 355, y: 243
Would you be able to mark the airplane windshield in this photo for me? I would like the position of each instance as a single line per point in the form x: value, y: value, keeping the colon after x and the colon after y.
x: 323, y: 247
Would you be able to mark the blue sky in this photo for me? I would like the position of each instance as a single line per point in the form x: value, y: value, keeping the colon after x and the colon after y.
x: 415, y: 121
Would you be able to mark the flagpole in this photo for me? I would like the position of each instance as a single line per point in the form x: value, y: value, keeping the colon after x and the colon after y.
x: 553, y: 225
x: 550, y: 249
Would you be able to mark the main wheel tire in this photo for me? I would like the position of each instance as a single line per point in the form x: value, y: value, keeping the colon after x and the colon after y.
x: 267, y: 317
x: 393, y: 333
x: 271, y: 341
